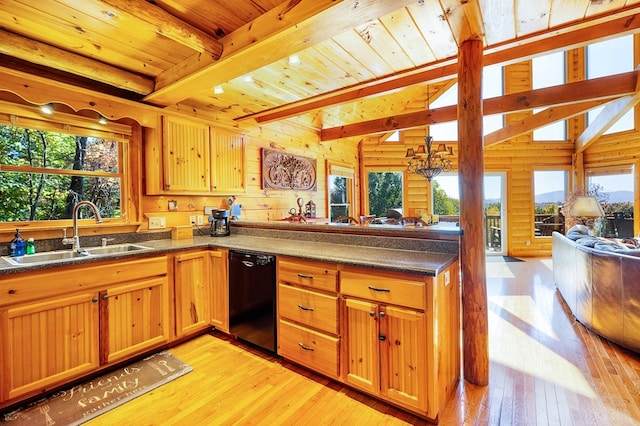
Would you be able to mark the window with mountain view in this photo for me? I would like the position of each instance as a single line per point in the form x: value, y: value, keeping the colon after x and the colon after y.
x: 550, y: 193
x: 613, y: 187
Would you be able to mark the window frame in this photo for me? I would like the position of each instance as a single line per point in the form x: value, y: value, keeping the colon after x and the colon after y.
x: 30, y: 117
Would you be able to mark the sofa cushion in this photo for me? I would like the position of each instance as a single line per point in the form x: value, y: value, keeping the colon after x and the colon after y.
x: 578, y: 231
x: 587, y: 241
x: 610, y: 245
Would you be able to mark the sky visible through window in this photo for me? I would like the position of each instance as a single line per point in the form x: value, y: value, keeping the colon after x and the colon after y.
x: 603, y: 59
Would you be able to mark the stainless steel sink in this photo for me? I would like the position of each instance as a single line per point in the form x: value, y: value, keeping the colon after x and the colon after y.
x: 45, y: 257
x: 114, y: 249
x: 66, y: 255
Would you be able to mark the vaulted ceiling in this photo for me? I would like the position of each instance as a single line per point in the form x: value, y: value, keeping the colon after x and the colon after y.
x: 325, y: 64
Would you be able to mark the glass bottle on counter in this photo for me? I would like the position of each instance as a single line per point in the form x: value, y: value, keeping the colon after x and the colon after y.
x: 31, y: 246
x: 17, y: 247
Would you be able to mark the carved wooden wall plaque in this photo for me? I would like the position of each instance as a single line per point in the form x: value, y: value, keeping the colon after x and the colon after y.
x: 286, y: 171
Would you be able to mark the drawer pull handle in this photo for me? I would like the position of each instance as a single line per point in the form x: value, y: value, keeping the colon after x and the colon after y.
x: 306, y: 348
x: 305, y: 308
x: 305, y: 276
x: 384, y: 290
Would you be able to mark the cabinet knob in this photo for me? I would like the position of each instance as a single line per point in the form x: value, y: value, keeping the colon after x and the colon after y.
x: 11, y: 291
x: 382, y: 337
x: 372, y: 314
x: 94, y: 300
x: 179, y: 260
x: 105, y: 297
x: 382, y: 314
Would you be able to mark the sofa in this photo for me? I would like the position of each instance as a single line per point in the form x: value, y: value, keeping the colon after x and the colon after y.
x: 599, y: 280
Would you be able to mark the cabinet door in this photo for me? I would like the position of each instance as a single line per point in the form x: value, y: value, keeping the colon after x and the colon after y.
x: 227, y: 161
x: 219, y: 277
x: 362, y: 366
x: 46, y: 343
x: 134, y: 318
x: 192, y: 292
x: 186, y: 155
x: 403, y: 354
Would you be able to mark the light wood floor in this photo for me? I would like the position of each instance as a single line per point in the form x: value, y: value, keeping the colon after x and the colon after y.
x: 546, y: 369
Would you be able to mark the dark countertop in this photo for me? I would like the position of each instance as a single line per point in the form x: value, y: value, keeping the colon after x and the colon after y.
x: 420, y: 262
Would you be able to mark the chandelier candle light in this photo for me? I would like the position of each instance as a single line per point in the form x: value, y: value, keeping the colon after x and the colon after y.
x: 429, y: 163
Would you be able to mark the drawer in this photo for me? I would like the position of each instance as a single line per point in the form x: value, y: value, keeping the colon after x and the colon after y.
x: 32, y: 285
x: 308, y: 307
x: 385, y: 287
x: 315, y: 350
x: 323, y: 276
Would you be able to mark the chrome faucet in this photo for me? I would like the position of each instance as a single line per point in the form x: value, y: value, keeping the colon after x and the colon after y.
x: 75, y: 239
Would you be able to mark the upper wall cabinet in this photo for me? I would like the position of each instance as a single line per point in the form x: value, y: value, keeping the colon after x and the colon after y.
x: 227, y: 161
x: 186, y: 152
x: 189, y: 157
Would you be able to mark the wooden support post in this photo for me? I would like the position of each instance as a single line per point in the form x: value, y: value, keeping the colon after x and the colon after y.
x: 472, y: 251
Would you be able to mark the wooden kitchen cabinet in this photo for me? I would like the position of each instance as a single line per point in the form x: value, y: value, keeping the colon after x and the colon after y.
x: 62, y: 323
x: 400, y: 336
x: 308, y: 320
x: 186, y: 154
x: 189, y: 157
x: 219, y: 281
x: 227, y: 161
x: 137, y: 318
x: 47, y: 342
x: 192, y: 288
x: 201, y: 288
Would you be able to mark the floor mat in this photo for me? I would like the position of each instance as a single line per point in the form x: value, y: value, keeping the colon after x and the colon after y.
x: 83, y: 402
x: 503, y: 259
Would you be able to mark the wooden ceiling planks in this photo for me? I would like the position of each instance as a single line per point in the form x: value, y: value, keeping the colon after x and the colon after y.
x: 532, y: 16
x: 499, y: 20
x: 402, y: 28
x: 432, y: 23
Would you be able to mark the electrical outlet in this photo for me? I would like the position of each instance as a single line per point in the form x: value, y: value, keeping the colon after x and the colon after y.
x: 157, y: 222
x: 192, y: 219
x: 200, y: 219
x: 447, y: 278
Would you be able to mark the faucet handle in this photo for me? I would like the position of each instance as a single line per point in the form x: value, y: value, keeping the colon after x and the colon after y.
x: 104, y: 241
x: 64, y: 233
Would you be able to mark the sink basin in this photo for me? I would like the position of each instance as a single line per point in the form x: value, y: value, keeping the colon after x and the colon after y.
x: 114, y: 249
x: 44, y: 257
x: 65, y: 255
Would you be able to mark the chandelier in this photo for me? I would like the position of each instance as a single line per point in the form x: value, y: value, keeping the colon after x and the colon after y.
x: 429, y: 163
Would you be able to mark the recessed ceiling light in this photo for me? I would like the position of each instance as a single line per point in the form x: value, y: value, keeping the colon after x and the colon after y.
x: 47, y: 108
x: 294, y: 60
x: 109, y: 13
x: 218, y: 89
x: 102, y: 120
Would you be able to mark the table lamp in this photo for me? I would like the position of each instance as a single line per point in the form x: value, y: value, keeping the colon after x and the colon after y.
x: 586, y: 208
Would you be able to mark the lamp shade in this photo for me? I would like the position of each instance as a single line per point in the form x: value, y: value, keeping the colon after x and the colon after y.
x: 586, y: 206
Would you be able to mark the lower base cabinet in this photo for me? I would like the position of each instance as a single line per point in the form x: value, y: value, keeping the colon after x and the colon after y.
x: 50, y: 333
x: 385, y: 351
x: 393, y: 335
x: 48, y: 342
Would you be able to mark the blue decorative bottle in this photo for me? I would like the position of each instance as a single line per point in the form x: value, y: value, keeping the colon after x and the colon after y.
x: 18, y: 246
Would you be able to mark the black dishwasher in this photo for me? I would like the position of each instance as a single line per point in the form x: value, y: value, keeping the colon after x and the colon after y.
x: 252, y: 298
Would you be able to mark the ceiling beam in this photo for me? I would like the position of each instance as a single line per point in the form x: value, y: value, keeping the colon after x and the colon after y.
x: 611, y: 113
x: 283, y: 30
x: 43, y: 54
x: 524, y: 48
x: 540, y: 119
x: 579, y: 91
x: 169, y: 26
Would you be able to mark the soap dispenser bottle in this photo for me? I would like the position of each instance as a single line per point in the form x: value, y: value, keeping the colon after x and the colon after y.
x: 18, y: 246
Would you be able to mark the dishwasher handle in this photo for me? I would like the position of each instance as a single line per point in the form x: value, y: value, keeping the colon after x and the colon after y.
x: 248, y: 264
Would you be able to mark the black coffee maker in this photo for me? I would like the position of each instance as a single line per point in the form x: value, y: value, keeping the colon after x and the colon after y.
x: 219, y: 223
